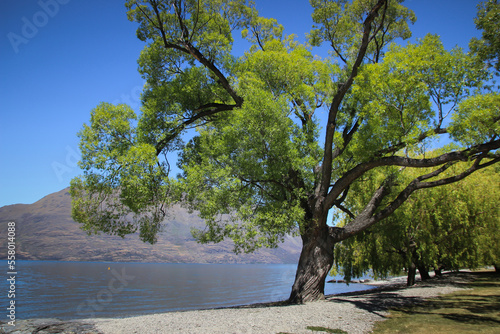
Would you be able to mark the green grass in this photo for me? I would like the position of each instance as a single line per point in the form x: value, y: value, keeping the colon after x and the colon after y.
x: 325, y: 330
x: 469, y: 311
x: 322, y: 329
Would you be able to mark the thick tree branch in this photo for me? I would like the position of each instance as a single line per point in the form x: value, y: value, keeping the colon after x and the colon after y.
x: 343, y: 197
x: 339, y: 97
x: 362, y: 168
x: 371, y: 213
x: 364, y: 219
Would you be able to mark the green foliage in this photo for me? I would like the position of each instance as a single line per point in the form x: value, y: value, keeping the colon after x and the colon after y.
x: 450, y: 226
x: 208, y: 25
x: 123, y: 188
x: 477, y: 120
x: 253, y: 158
x: 397, y: 96
x: 340, y: 24
x: 261, y: 30
x: 258, y: 166
x: 488, y: 47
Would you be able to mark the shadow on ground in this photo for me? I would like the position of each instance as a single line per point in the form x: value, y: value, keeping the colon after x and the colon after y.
x: 382, y: 299
x: 476, y: 309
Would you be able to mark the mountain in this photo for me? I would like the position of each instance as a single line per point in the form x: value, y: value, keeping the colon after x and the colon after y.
x: 46, y: 231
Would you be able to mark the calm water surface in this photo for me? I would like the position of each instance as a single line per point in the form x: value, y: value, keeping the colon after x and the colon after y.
x: 71, y: 290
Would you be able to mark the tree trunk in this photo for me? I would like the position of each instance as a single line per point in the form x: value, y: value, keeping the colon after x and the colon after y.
x: 424, y: 273
x: 316, y: 260
x: 497, y: 267
x: 412, y: 271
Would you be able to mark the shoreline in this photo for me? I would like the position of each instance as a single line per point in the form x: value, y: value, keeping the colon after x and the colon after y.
x: 354, y: 312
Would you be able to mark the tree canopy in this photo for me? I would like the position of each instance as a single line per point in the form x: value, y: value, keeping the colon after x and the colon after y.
x: 263, y: 162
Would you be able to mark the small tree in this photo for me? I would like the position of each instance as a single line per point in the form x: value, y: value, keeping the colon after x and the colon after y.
x: 448, y: 227
x: 258, y: 167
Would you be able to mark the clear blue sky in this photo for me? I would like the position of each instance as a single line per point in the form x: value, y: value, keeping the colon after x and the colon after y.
x: 59, y: 62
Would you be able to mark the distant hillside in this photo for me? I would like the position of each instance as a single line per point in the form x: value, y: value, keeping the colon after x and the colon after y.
x: 45, y: 231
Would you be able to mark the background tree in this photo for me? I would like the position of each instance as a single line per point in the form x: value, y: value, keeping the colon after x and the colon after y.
x: 261, y: 164
x: 449, y: 227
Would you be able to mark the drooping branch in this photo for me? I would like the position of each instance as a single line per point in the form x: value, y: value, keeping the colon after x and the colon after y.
x: 419, y: 183
x: 372, y: 213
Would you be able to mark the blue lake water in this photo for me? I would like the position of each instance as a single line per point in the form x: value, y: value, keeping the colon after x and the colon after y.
x: 72, y: 290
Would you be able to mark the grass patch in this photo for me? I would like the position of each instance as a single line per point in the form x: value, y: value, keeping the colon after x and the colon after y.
x: 322, y: 329
x: 326, y: 330
x: 470, y: 311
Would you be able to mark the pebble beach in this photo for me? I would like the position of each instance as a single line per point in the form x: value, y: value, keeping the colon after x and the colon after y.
x: 354, y: 313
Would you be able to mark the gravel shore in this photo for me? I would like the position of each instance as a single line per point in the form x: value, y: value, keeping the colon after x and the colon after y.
x: 352, y: 312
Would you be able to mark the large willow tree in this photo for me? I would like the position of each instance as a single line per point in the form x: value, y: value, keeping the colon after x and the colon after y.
x: 281, y: 134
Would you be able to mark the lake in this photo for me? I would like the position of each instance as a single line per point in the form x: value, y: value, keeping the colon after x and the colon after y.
x: 73, y: 290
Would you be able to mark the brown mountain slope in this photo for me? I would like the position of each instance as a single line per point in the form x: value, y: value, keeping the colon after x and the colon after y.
x: 45, y: 231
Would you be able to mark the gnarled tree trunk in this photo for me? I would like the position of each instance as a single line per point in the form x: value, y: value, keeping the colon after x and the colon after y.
x: 316, y: 260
